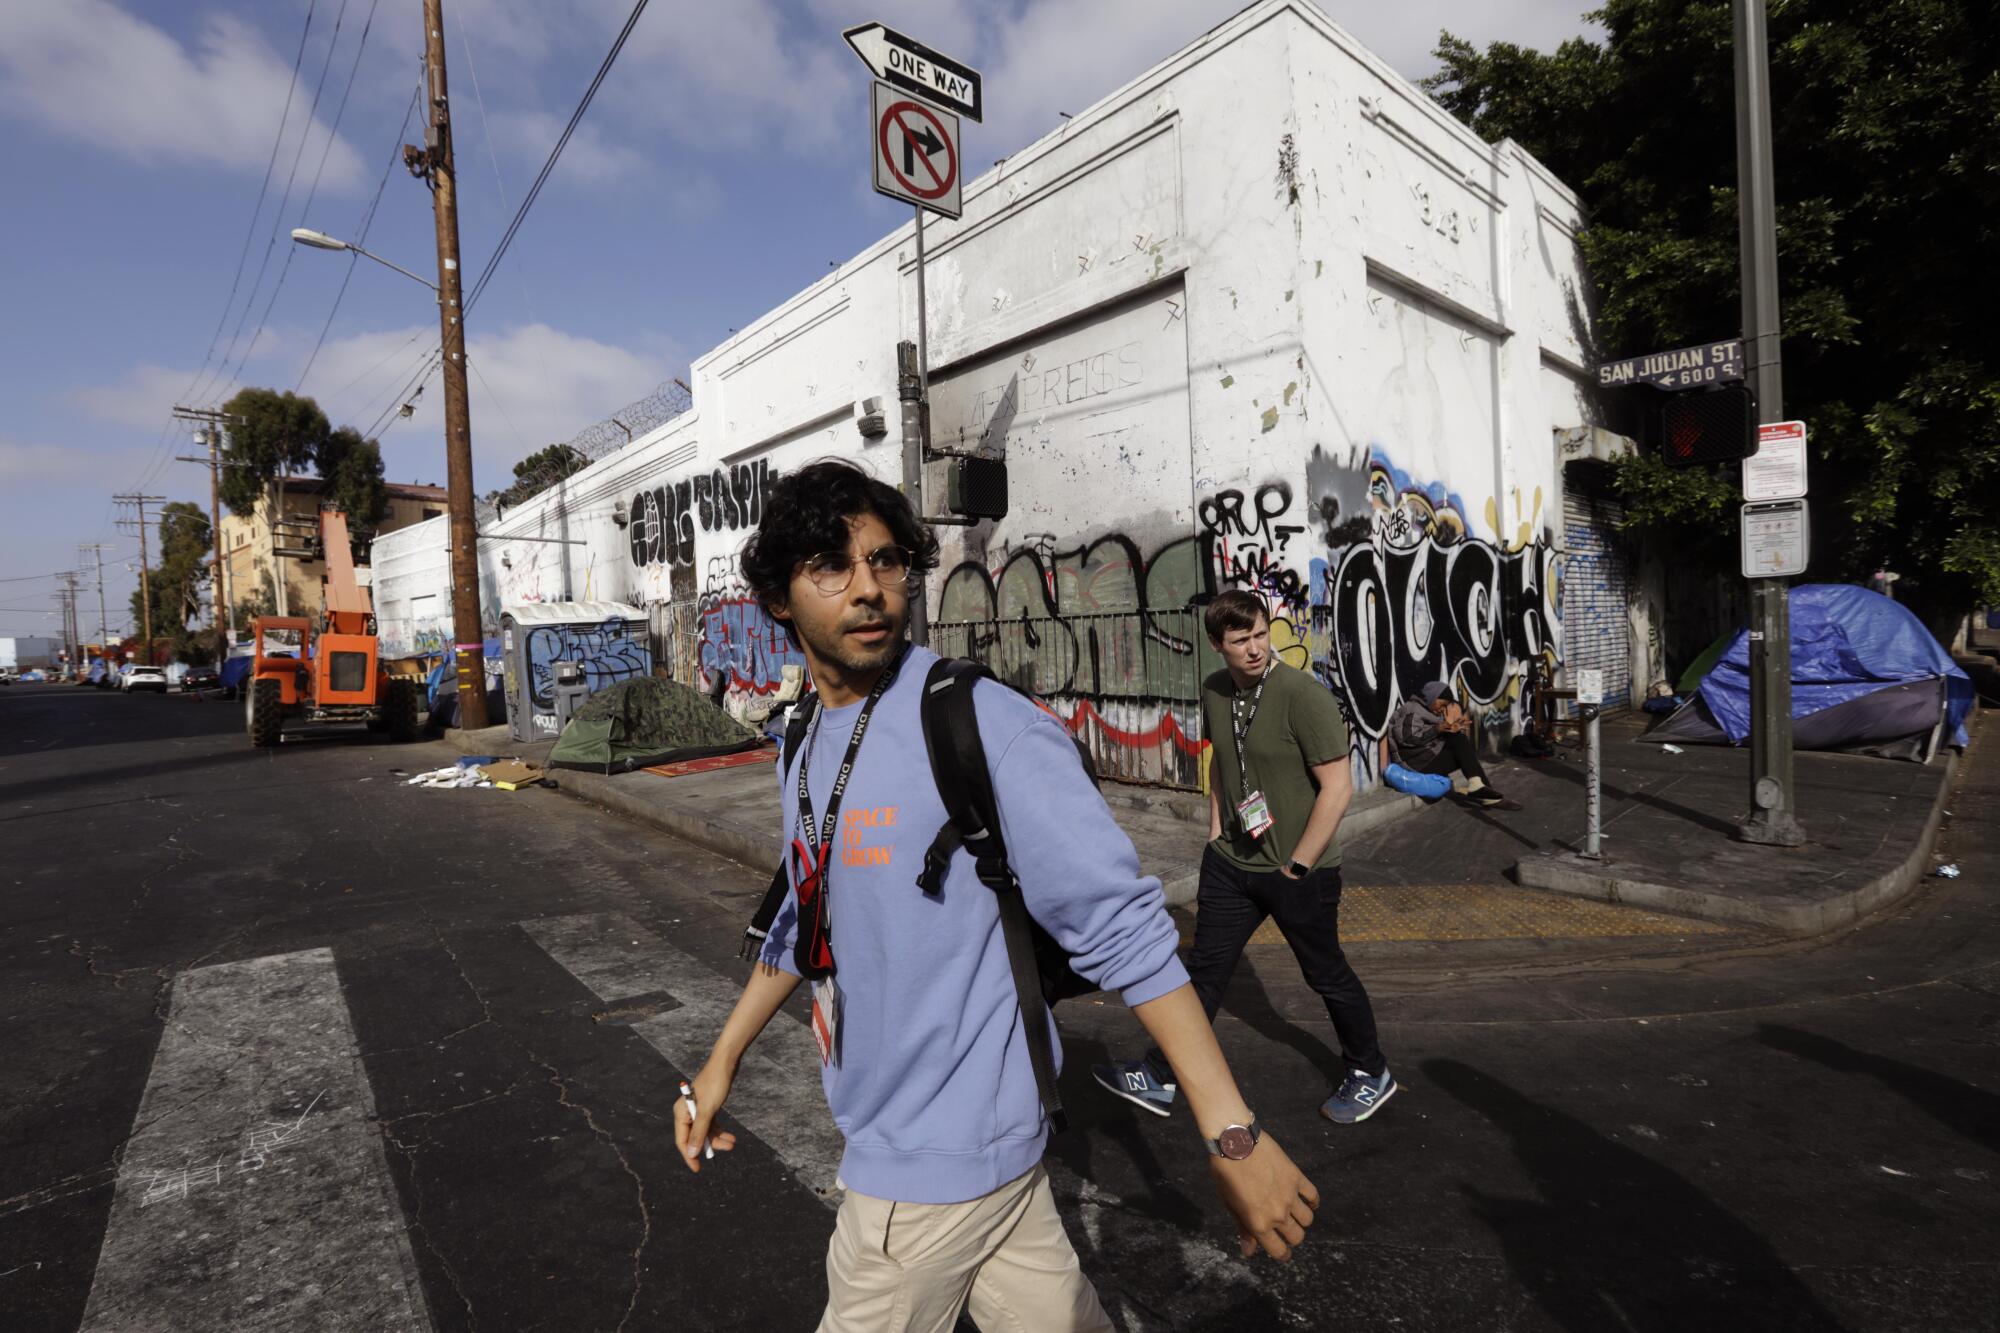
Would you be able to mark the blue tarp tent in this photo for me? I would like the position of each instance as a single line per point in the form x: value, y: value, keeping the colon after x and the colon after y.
x: 1866, y: 675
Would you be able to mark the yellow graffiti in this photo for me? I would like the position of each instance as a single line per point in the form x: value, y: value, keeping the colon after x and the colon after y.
x: 1287, y: 645
x: 1525, y: 526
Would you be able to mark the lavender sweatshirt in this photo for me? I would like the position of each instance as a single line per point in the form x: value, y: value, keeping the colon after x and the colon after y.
x: 933, y: 1090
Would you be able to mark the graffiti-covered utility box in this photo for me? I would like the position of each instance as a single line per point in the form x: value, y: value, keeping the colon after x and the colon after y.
x: 607, y: 639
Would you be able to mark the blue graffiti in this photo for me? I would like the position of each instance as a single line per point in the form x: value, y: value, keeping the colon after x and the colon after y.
x: 611, y: 652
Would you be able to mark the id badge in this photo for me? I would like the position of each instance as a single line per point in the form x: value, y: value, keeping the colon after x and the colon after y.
x: 1254, y: 814
x: 826, y: 1019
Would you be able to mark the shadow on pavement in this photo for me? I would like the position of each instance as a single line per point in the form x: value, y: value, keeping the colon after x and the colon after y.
x: 1249, y: 1001
x: 1970, y: 1111
x: 1616, y: 1240
x: 176, y: 768
x: 1575, y: 777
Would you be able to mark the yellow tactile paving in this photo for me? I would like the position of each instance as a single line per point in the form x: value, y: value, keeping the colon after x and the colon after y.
x: 1381, y: 913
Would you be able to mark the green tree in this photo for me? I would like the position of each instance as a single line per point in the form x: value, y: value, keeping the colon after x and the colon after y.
x: 270, y: 435
x: 352, y: 467
x: 539, y: 471
x: 179, y: 583
x: 1887, y: 146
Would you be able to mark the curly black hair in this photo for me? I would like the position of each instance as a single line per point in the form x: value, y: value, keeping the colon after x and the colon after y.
x: 807, y: 512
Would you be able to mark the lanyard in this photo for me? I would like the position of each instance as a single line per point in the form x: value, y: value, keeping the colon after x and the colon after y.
x: 1240, y: 726
x: 819, y: 833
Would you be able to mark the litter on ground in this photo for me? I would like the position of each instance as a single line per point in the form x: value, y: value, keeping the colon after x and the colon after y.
x: 1948, y: 871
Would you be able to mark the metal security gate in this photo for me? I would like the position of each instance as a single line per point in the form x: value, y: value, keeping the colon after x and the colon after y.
x: 1598, y: 584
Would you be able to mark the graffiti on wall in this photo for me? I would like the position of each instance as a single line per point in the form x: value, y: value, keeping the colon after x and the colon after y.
x: 664, y: 518
x: 1405, y: 596
x: 740, y: 643
x: 1101, y: 632
x: 1245, y: 541
x: 608, y: 653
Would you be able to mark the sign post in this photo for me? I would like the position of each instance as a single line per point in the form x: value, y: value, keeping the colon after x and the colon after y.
x: 913, y: 131
x: 1589, y: 699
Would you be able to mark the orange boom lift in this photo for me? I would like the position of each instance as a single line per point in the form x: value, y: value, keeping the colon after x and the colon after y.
x: 339, y: 679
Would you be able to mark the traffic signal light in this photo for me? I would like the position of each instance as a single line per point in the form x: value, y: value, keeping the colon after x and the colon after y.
x: 1708, y: 426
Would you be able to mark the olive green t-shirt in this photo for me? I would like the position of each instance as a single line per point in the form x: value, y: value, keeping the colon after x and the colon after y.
x: 1297, y: 725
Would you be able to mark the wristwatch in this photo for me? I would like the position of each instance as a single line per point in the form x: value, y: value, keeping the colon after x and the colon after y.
x: 1299, y: 869
x: 1235, y: 1141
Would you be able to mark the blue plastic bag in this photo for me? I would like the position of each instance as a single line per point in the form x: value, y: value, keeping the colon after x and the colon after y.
x: 1430, y: 786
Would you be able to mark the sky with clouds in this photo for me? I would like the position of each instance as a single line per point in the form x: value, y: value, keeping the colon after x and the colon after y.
x: 721, y: 168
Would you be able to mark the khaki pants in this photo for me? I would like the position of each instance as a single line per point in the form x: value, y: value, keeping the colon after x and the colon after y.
x: 911, y: 1267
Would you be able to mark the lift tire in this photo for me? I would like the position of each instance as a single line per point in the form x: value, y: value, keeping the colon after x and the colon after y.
x: 399, y: 708
x: 263, y: 713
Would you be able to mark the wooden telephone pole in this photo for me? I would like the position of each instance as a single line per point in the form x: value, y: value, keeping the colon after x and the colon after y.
x: 211, y: 434
x: 434, y: 163
x: 145, y: 581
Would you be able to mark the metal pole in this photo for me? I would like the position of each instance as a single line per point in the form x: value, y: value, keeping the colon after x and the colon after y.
x: 1593, y: 786
x: 215, y: 531
x: 468, y: 632
x: 145, y: 587
x: 281, y: 594
x: 1773, y: 818
x: 917, y: 441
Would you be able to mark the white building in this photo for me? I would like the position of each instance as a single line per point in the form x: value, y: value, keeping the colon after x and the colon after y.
x: 1265, y: 317
x: 29, y: 653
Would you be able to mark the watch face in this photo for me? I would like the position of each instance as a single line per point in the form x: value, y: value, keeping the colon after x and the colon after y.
x: 1235, y: 1142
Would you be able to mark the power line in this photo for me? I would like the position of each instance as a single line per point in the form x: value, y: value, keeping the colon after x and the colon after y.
x: 278, y: 223
x: 298, y: 61
x: 535, y: 190
x: 367, y: 221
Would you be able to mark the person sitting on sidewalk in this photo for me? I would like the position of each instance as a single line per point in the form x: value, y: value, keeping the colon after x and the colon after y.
x: 1284, y: 780
x: 1431, y: 733
x: 924, y: 1058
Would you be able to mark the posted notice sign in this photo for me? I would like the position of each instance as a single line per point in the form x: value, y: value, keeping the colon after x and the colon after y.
x: 1776, y: 537
x: 1777, y: 471
x: 915, y: 147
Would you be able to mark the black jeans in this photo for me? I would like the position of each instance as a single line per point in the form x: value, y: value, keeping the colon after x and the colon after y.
x: 1459, y: 754
x: 1233, y: 902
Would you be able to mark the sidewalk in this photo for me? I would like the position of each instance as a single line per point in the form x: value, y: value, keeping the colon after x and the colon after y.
x: 735, y: 811
x: 1451, y: 872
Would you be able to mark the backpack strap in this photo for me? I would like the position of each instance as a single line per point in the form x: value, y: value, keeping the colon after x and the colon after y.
x: 759, y: 928
x: 958, y: 764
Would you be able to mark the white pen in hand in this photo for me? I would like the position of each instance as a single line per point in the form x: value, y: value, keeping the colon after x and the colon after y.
x: 707, y: 1148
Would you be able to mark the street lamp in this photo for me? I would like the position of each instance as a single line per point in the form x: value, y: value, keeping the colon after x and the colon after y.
x: 319, y: 240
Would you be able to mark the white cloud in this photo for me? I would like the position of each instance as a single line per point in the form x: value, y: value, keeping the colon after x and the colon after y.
x: 141, y: 398
x: 590, y: 158
x: 533, y: 386
x: 91, y: 71
x: 24, y: 464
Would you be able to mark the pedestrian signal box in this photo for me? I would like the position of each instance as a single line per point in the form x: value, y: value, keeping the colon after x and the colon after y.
x: 1708, y: 426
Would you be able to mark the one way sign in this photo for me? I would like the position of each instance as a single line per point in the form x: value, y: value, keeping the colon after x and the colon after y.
x: 915, y: 68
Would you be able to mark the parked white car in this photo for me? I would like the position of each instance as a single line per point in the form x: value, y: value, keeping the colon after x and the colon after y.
x: 143, y: 678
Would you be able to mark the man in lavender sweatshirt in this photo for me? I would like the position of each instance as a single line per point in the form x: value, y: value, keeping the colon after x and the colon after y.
x: 926, y: 1068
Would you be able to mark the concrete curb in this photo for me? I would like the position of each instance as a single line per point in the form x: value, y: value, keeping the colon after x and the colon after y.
x: 1567, y: 873
x: 623, y: 793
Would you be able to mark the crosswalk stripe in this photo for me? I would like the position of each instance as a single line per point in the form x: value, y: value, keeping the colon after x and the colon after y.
x: 776, y: 1095
x: 254, y: 1192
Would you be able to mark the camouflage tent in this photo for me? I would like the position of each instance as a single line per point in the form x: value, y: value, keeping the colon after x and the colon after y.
x: 638, y: 723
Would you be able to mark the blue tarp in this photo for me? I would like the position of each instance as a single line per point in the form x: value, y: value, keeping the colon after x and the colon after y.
x: 1846, y: 642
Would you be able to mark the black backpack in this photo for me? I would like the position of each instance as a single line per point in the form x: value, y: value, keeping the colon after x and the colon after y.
x: 1042, y: 971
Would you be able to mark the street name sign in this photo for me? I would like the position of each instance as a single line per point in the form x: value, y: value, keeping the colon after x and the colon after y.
x: 915, y: 68
x: 1777, y: 471
x: 1681, y: 368
x: 915, y: 147
x: 1776, y: 537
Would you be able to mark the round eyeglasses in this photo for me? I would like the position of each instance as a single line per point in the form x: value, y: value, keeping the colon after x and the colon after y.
x: 832, y: 571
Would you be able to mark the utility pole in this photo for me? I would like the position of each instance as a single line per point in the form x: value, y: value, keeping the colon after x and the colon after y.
x: 145, y: 582
x: 70, y: 641
x: 434, y: 163
x: 211, y: 434
x: 96, y: 550
x: 1773, y: 809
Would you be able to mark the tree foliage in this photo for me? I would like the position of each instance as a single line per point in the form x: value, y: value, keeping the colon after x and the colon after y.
x: 1887, y: 146
x: 179, y: 582
x: 539, y: 471
x: 279, y: 434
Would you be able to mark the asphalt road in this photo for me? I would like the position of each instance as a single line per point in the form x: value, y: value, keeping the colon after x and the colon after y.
x: 289, y: 1044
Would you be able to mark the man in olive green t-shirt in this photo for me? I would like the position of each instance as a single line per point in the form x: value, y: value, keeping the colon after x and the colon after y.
x: 1279, y: 783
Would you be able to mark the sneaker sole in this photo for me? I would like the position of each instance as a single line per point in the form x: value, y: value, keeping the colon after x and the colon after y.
x: 1139, y: 1102
x: 1380, y: 1102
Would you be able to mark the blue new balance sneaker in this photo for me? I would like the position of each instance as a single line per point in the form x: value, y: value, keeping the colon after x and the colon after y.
x: 1359, y: 1096
x: 1138, y: 1083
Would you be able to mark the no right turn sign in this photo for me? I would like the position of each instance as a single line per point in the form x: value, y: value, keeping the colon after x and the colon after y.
x: 915, y: 147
